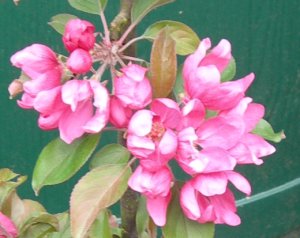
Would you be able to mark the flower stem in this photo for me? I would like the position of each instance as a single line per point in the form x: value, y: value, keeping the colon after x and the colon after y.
x: 105, y: 27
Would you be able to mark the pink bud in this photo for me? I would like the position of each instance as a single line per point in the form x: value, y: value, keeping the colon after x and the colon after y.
x: 80, y: 61
x: 79, y: 34
x: 15, y: 88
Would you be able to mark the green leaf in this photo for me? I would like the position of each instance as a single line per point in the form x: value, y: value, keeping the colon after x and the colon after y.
x: 142, y: 217
x: 8, y: 187
x: 58, y: 22
x: 178, y: 225
x: 6, y: 175
x: 163, y: 65
x: 229, y: 72
x: 64, y: 226
x: 178, y: 89
x: 97, y: 190
x: 60, y: 161
x: 265, y: 130
x: 89, y: 6
x: 141, y: 8
x: 110, y: 154
x: 186, y: 39
x: 39, y: 226
x: 100, y: 227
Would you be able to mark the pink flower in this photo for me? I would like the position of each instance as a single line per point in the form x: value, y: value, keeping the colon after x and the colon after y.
x: 37, y: 60
x: 39, y: 63
x: 7, y: 227
x: 77, y: 107
x: 250, y: 147
x: 150, y: 133
x: 219, y: 209
x: 206, y: 197
x: 79, y: 34
x: 119, y: 115
x: 156, y: 187
x: 202, y: 77
x: 133, y: 89
x: 80, y: 61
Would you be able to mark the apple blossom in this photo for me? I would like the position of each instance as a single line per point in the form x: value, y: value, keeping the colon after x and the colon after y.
x: 150, y: 135
x: 156, y: 187
x: 133, y: 88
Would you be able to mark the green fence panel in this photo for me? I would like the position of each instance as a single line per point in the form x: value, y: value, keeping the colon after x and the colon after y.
x: 266, y: 40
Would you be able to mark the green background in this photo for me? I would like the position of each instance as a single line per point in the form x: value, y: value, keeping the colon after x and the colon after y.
x: 266, y: 40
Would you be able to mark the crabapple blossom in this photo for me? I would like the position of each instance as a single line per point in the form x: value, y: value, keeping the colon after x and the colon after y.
x: 40, y: 64
x: 150, y: 135
x: 156, y: 187
x: 133, y: 88
x: 7, y: 227
x: 202, y: 77
x: 79, y: 34
x: 219, y: 209
x: 77, y: 107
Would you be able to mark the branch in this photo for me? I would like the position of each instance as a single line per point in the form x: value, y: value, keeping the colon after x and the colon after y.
x: 122, y: 20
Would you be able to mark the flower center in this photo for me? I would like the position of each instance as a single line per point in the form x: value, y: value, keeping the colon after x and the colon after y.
x: 157, y: 131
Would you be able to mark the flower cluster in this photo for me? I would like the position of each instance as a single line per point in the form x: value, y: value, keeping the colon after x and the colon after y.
x: 207, y: 148
x: 208, y: 133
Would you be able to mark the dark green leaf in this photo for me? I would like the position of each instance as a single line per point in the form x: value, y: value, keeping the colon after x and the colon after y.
x: 229, y: 73
x: 179, y: 226
x: 186, y: 39
x: 97, y: 190
x: 60, y: 161
x: 58, y: 22
x: 163, y: 65
x: 89, y: 6
x: 265, y: 130
x: 141, y: 8
x: 110, y: 154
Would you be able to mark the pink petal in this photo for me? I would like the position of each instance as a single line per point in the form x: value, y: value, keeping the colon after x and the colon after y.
x: 141, y: 147
x: 218, y: 56
x: 75, y: 91
x: 193, y: 113
x: 192, y: 62
x: 135, y: 72
x: 168, y: 144
x: 210, y: 184
x: 168, y: 111
x: 240, y: 182
x: 188, y: 202
x: 220, y: 132
x: 71, y: 123
x: 141, y: 123
x: 157, y: 208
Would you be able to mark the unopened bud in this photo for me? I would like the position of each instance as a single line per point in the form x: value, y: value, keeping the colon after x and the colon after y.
x: 15, y: 88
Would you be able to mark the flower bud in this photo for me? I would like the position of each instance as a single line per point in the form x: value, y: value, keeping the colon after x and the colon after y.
x: 15, y: 88
x: 80, y: 61
x: 79, y: 34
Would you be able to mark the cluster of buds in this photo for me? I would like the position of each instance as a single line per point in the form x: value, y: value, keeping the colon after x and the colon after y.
x: 207, y: 133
